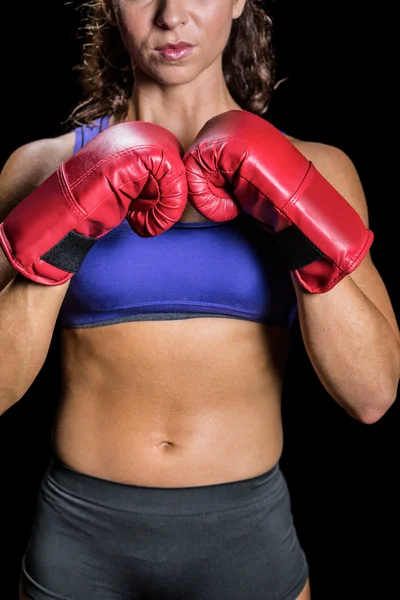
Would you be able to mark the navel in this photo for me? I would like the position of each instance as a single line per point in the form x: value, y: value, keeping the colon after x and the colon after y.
x: 165, y: 444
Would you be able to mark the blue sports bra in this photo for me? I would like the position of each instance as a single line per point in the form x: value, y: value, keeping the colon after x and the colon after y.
x: 231, y: 269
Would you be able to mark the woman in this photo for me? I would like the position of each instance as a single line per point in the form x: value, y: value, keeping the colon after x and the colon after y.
x: 165, y: 479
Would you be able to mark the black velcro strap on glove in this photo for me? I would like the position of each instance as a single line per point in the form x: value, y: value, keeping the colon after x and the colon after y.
x: 296, y: 248
x: 69, y: 253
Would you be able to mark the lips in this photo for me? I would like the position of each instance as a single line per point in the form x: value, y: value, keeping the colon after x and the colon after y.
x: 175, y: 46
x: 174, y: 52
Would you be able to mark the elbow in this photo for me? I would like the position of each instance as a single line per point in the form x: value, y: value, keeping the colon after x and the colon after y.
x: 372, y: 411
x: 370, y: 401
x: 381, y: 396
x: 7, y: 401
x: 369, y: 417
x: 9, y: 397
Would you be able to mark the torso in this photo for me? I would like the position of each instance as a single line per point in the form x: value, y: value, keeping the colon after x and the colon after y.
x: 171, y: 403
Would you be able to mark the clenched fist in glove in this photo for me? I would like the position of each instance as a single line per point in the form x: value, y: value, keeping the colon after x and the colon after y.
x: 131, y: 170
x: 239, y: 160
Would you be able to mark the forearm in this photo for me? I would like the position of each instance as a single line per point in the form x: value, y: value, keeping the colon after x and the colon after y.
x: 352, y: 347
x: 28, y: 312
x: 7, y: 272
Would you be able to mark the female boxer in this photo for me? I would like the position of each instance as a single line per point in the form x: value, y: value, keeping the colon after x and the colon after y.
x: 164, y: 481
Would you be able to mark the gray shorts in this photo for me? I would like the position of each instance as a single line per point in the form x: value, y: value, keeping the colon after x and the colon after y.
x: 94, y: 539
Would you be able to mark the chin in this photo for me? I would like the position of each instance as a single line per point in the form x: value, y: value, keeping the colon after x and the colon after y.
x: 173, y: 79
x: 175, y: 74
x: 182, y: 79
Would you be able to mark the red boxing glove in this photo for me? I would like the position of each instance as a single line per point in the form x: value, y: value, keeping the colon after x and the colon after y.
x: 240, y: 160
x: 132, y: 170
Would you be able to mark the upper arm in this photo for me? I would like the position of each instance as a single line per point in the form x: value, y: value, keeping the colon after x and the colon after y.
x: 28, y: 166
x: 336, y: 166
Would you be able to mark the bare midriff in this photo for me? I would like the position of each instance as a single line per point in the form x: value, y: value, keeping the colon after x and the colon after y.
x: 172, y: 403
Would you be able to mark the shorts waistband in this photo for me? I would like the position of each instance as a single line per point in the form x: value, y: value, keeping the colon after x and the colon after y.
x: 158, y: 500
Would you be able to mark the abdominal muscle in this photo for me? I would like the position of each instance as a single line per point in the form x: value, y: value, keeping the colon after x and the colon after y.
x: 171, y: 403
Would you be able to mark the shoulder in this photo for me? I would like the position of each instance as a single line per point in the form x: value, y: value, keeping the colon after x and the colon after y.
x: 337, y: 168
x: 29, y: 165
x: 39, y: 156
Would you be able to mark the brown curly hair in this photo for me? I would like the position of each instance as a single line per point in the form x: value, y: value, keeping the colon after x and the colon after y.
x: 106, y: 75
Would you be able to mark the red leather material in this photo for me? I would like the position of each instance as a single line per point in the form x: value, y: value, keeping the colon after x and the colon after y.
x: 240, y: 161
x: 131, y: 170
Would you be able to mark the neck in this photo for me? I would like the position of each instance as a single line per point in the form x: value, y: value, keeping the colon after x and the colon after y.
x: 182, y: 109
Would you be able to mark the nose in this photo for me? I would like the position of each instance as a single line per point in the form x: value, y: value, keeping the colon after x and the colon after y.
x: 171, y: 14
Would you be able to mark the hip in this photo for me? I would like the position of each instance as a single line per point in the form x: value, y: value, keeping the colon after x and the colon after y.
x: 235, y: 540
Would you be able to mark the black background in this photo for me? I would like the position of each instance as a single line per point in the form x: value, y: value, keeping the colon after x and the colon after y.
x: 339, y: 61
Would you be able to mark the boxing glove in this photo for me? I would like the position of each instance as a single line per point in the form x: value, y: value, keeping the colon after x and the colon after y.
x: 131, y: 170
x: 240, y: 161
